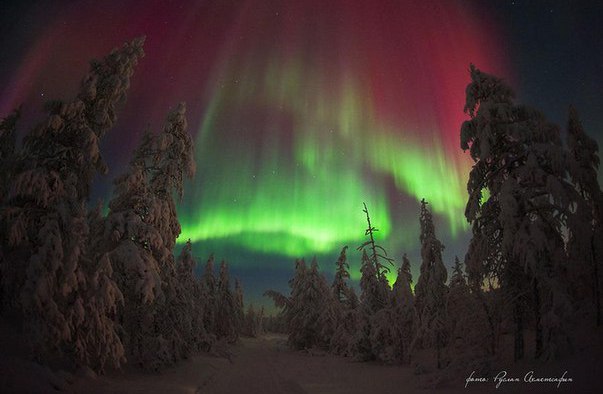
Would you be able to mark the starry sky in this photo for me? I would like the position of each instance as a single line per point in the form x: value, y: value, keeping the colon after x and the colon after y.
x: 303, y: 110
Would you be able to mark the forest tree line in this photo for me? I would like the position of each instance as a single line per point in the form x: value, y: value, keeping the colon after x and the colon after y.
x: 533, y: 262
x: 95, y: 290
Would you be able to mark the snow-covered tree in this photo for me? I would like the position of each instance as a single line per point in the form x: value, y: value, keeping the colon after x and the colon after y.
x: 139, y: 236
x: 7, y: 163
x: 376, y: 253
x: 194, y: 333
x: 344, y: 310
x: 253, y: 321
x: 225, y: 311
x: 468, y: 340
x: 586, y: 232
x: 331, y: 311
x: 209, y: 291
x: 346, y: 326
x: 339, y: 286
x: 239, y: 306
x: 519, y: 159
x: 59, y: 291
x: 374, y: 329
x: 8, y: 138
x: 430, y: 291
x: 307, y: 298
x: 402, y: 304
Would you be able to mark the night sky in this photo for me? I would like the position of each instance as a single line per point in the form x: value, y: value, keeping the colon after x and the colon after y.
x: 303, y: 110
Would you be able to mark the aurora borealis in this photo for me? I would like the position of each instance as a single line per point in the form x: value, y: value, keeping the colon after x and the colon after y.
x: 300, y: 110
x: 343, y: 118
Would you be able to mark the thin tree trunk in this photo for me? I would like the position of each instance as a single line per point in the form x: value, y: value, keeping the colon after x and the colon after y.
x: 596, y: 291
x: 538, y: 337
x: 518, y: 333
x: 438, y: 349
x: 482, y: 300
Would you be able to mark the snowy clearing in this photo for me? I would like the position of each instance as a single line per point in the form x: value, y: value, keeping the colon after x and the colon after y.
x: 266, y: 365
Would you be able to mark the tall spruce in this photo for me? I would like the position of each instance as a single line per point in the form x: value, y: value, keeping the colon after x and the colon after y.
x: 8, y: 139
x: 342, y: 274
x: 209, y: 292
x: 139, y: 236
x: 225, y: 311
x: 430, y: 291
x: 53, y: 281
x: 193, y: 329
x: 403, y: 311
x: 586, y: 233
x: 518, y: 232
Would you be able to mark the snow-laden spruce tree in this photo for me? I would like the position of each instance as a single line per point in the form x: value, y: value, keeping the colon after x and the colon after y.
x: 225, y: 311
x: 586, y: 231
x: 8, y: 152
x: 139, y: 236
x: 193, y: 333
x: 134, y: 246
x: 307, y: 296
x: 173, y: 160
x: 342, y: 274
x: 519, y: 230
x: 209, y: 291
x: 402, y: 305
x: 253, y: 325
x: 8, y: 139
x: 469, y: 336
x: 430, y: 291
x: 61, y: 293
x: 345, y: 303
x: 372, y: 299
x: 239, y: 306
x: 331, y: 310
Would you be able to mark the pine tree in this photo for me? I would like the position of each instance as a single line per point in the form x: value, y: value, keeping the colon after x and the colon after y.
x: 586, y: 232
x: 8, y: 138
x: 376, y: 253
x: 374, y: 298
x: 466, y: 323
x: 139, y: 236
x: 343, y: 310
x: 519, y: 158
x: 331, y: 310
x: 55, y: 286
x: 239, y: 307
x: 430, y: 290
x: 403, y: 311
x: 254, y: 321
x: 194, y: 332
x: 209, y: 293
x: 7, y: 164
x: 374, y: 335
x: 307, y: 301
x: 339, y: 286
x: 225, y: 311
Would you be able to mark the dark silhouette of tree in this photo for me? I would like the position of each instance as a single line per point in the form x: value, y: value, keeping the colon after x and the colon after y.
x: 376, y: 252
x: 403, y: 311
x: 46, y: 257
x: 430, y: 291
x: 8, y: 138
x: 518, y: 232
x: 586, y: 232
x: 339, y: 286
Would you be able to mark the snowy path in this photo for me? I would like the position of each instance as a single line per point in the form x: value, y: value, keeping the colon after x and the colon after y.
x: 265, y: 366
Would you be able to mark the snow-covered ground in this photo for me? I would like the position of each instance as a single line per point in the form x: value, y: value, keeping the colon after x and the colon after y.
x: 266, y: 365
